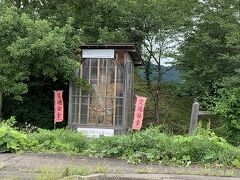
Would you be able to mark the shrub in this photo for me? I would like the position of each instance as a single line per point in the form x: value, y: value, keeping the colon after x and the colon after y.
x: 60, y: 140
x: 228, y: 107
x: 147, y: 146
x: 154, y: 146
x: 11, y: 140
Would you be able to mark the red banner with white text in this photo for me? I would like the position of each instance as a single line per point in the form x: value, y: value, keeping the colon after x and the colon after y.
x: 138, y: 113
x: 58, y: 106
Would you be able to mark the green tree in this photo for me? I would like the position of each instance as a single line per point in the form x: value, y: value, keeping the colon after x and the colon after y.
x: 204, y: 54
x: 160, y: 32
x: 35, y: 48
x: 210, y: 60
x: 97, y: 18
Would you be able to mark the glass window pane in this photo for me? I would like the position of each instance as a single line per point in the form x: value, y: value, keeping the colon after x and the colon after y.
x: 120, y: 75
x: 94, y: 72
x: 119, y: 110
x: 119, y: 94
x: 108, y: 120
x: 75, y: 90
x: 77, y: 73
x: 73, y: 118
x: 75, y: 99
x: 85, y: 73
x: 85, y: 93
x: 101, y: 108
x: 84, y: 109
x: 119, y: 101
x: 93, y: 81
x: 83, y: 118
x: 85, y: 62
x: 94, y: 62
x: 73, y: 108
x: 119, y: 87
x: 84, y: 100
x: 110, y: 75
x: 109, y: 106
x: 118, y: 120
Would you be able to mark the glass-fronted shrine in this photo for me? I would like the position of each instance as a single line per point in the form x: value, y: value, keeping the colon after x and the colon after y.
x: 109, y: 68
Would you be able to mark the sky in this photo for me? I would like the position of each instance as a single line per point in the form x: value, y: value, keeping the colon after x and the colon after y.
x: 166, y: 61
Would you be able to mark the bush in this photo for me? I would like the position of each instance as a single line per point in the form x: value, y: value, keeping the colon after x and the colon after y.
x: 228, y: 107
x: 11, y: 140
x: 154, y: 146
x: 147, y: 146
x: 60, y: 140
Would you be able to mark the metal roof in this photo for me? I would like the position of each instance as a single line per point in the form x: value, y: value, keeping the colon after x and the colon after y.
x: 129, y: 47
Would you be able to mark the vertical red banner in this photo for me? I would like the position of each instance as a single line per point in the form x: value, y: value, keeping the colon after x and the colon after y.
x: 58, y: 106
x: 138, y: 113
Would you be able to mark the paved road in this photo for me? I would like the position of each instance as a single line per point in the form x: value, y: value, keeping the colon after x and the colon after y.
x: 26, y: 166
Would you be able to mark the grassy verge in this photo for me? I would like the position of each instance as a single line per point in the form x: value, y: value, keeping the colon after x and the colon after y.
x: 148, y: 146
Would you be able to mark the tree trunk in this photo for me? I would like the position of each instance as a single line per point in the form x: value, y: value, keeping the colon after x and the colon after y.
x: 156, y: 108
x: 1, y: 102
x: 157, y: 97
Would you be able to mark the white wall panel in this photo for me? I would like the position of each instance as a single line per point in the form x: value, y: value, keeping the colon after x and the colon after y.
x: 98, y: 53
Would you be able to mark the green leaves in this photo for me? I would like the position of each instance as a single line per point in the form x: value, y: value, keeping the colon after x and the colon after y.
x: 148, y: 146
x: 210, y: 61
x: 152, y: 146
x: 11, y: 140
x: 35, y: 48
x: 227, y: 105
x: 60, y: 140
x: 205, y: 54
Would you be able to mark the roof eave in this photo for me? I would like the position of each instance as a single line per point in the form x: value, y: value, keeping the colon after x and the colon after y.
x: 130, y: 47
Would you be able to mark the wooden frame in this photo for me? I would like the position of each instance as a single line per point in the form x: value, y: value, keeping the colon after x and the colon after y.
x: 112, y: 82
x: 104, y: 65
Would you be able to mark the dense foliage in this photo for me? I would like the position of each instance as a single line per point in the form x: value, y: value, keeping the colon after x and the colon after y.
x: 60, y: 140
x: 154, y: 146
x: 148, y: 146
x: 227, y: 105
x: 12, y: 140
x: 34, y: 48
x: 175, y: 110
x: 210, y: 52
x: 209, y: 60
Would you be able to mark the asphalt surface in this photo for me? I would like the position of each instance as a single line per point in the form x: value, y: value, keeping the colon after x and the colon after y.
x: 28, y: 166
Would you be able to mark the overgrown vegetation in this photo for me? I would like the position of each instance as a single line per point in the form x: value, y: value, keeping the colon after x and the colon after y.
x: 175, y: 110
x: 59, y: 140
x: 12, y: 140
x: 149, y: 146
x: 154, y: 146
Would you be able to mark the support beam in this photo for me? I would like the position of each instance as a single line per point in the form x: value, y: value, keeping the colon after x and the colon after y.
x: 1, y: 103
x: 70, y: 122
x: 205, y: 113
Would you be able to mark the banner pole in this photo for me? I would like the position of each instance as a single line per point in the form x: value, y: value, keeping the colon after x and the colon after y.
x: 54, y: 125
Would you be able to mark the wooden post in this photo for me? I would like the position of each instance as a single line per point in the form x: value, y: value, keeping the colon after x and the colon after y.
x: 1, y: 102
x: 70, y: 121
x: 194, y: 118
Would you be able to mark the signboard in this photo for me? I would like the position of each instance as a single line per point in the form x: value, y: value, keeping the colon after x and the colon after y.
x: 97, y: 53
x: 58, y: 106
x: 96, y: 132
x: 138, y: 113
